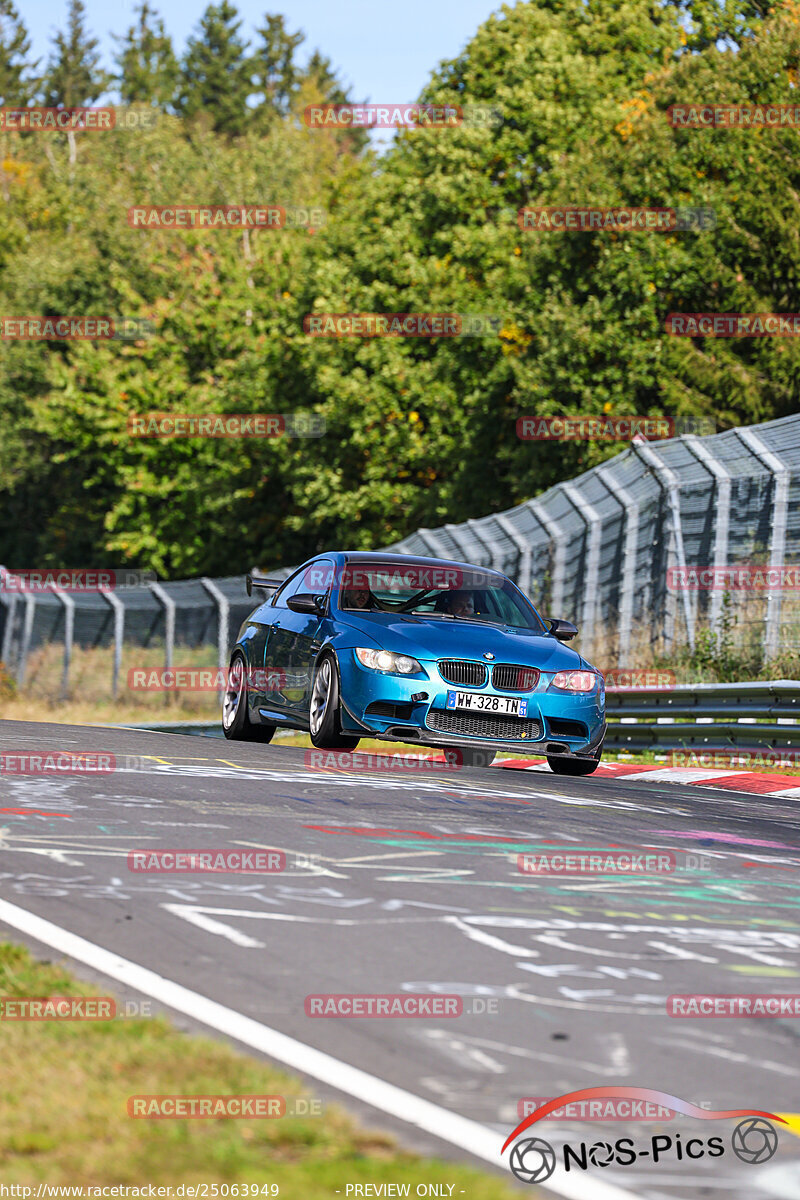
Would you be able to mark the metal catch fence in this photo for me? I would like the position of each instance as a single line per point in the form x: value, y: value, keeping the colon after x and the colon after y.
x: 605, y: 549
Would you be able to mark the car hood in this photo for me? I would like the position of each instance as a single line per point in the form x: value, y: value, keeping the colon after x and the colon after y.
x: 462, y: 639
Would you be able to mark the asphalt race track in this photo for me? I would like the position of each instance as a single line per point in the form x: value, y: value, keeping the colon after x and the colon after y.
x: 407, y: 882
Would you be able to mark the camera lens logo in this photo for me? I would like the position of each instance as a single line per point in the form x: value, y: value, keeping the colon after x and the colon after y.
x: 754, y: 1140
x: 601, y: 1154
x: 533, y: 1160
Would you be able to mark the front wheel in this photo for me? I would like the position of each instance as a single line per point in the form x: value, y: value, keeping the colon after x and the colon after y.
x: 236, y: 724
x: 324, y: 718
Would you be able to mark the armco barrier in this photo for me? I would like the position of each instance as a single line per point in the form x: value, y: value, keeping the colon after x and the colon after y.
x: 706, y: 716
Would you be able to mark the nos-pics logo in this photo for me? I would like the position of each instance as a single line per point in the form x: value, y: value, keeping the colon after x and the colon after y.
x: 533, y: 1160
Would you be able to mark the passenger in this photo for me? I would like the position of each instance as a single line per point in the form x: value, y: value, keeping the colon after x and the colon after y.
x: 461, y: 604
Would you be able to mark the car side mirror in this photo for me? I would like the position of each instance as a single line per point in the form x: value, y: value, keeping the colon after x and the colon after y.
x: 563, y: 630
x: 304, y: 602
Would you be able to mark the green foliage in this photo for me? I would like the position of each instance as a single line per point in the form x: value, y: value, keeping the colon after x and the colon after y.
x: 216, y: 71
x: 17, y: 84
x: 74, y: 76
x: 719, y: 655
x: 419, y: 431
x: 275, y: 73
x: 8, y: 685
x: 148, y: 69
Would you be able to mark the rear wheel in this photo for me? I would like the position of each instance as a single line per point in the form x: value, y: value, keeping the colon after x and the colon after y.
x: 236, y: 723
x: 324, y: 718
x: 471, y: 756
x: 575, y: 766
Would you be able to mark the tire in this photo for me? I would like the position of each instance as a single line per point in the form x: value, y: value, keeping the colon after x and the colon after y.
x: 236, y: 724
x: 472, y: 756
x: 324, y: 718
x: 575, y: 766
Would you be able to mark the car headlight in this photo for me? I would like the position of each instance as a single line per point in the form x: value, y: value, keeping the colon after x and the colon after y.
x: 386, y: 661
x: 574, y: 681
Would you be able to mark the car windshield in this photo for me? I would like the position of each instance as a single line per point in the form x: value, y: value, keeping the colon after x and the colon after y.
x: 440, y: 592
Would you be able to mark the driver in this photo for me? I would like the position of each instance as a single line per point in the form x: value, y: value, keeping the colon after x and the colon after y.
x: 461, y: 604
x: 357, y: 598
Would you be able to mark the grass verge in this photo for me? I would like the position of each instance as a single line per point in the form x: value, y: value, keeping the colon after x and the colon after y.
x: 63, y: 1115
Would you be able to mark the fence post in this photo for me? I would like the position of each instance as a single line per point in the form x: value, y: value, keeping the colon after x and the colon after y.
x: 453, y: 531
x: 119, y: 632
x: 477, y: 533
x: 168, y: 605
x: 669, y: 481
x: 25, y: 645
x: 629, y: 557
x: 69, y: 629
x: 525, y: 549
x: 432, y: 542
x: 223, y: 611
x: 781, y: 477
x: 558, y: 540
x: 591, y: 588
x: 722, y: 498
x: 11, y: 606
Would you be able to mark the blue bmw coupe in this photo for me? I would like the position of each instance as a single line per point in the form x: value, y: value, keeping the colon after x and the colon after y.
x: 418, y: 650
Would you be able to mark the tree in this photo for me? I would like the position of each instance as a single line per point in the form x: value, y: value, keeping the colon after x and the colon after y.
x: 74, y: 76
x: 17, y: 86
x: 216, y: 71
x: 320, y: 80
x: 147, y: 63
x: 275, y: 74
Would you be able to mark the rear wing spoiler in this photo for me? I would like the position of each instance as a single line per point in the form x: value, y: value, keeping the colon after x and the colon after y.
x: 254, y: 579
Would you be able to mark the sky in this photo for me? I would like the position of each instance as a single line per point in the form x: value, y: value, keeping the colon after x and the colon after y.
x: 385, y: 54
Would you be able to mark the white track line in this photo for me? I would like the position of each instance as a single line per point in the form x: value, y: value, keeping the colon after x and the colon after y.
x: 468, y: 1135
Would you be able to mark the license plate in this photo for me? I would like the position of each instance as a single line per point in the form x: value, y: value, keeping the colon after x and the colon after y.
x: 486, y: 702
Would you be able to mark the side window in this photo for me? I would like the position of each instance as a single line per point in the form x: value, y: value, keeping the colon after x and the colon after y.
x: 316, y: 578
x: 293, y: 584
x: 319, y: 577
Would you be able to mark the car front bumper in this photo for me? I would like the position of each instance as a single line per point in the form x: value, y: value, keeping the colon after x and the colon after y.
x: 408, y: 709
